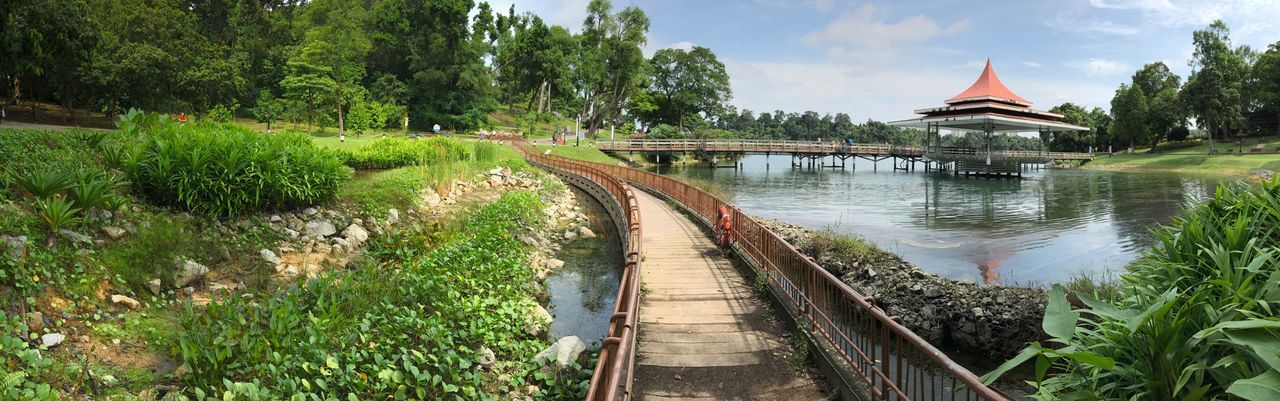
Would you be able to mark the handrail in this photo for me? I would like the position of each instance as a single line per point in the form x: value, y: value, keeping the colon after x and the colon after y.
x: 792, y: 146
x: 893, y: 361
x: 611, y: 378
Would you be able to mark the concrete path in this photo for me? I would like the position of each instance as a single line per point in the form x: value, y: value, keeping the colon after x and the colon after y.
x: 704, y: 334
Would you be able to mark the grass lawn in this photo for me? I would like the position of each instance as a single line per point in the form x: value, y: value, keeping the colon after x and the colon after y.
x: 1196, y: 159
x: 585, y: 152
x: 505, y: 119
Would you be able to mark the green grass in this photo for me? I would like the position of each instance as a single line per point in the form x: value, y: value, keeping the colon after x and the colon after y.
x: 1196, y: 159
x: 584, y: 152
x: 400, y: 188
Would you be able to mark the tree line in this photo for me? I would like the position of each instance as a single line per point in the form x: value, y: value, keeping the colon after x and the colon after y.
x: 1232, y: 92
x: 352, y: 64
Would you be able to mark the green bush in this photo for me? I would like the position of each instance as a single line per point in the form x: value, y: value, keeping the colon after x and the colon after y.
x: 224, y: 171
x: 21, y: 366
x: 412, y: 328
x: 401, y: 152
x: 1196, y: 318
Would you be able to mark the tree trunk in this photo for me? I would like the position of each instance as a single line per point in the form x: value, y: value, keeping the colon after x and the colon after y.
x: 17, y: 91
x: 342, y: 127
x: 532, y: 96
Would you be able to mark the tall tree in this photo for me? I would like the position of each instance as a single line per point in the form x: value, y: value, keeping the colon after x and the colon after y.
x: 611, y: 66
x: 1266, y: 82
x: 1129, y: 115
x: 49, y: 39
x: 336, y: 41
x: 1214, y: 91
x: 687, y: 82
x: 1160, y: 87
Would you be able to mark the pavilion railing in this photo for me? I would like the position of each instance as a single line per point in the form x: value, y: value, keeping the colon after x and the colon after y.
x: 805, y: 147
x: 894, y: 362
x: 612, y: 377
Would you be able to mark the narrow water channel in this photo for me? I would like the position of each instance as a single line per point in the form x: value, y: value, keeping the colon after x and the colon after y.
x: 583, y: 291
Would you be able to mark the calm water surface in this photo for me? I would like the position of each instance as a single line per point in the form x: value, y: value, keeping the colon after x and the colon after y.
x: 1046, y: 228
x: 583, y: 291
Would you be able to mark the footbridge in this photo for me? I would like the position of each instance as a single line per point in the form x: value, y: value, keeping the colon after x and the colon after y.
x: 817, y: 153
x: 688, y: 325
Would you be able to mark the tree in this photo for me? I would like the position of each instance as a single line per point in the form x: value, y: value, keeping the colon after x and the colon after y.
x: 1129, y: 115
x: 45, y: 41
x: 336, y: 41
x: 611, y: 66
x: 1074, y: 141
x: 1266, y: 81
x: 687, y: 82
x: 1214, y: 91
x: 1160, y: 87
x: 308, y: 84
x: 267, y: 108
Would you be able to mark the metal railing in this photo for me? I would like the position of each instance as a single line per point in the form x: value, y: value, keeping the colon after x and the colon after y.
x: 806, y: 147
x: 612, y: 377
x: 894, y: 362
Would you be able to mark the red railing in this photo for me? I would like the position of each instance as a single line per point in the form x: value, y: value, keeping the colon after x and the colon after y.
x: 611, y: 379
x: 894, y: 362
x: 814, y: 147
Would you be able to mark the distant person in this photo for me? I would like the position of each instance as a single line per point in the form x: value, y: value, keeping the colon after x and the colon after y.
x: 2, y: 115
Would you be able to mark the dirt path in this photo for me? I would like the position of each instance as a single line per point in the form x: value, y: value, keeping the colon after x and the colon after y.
x: 704, y: 334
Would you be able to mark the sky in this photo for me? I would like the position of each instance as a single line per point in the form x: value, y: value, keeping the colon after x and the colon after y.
x: 882, y: 59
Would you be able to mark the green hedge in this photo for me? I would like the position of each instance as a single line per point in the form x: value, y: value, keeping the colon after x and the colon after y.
x: 224, y: 171
x: 401, y: 152
x: 411, y: 329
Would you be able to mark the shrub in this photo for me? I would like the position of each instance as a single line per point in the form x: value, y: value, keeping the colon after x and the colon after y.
x: 400, y: 152
x: 411, y: 329
x: 57, y: 214
x: 21, y: 366
x: 1196, y: 318
x: 226, y: 171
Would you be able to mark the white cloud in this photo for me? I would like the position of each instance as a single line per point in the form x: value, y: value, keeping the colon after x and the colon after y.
x: 1031, y: 64
x: 862, y: 37
x: 819, y: 5
x: 1077, y: 24
x: 652, y: 46
x: 1251, y: 19
x: 1100, y: 67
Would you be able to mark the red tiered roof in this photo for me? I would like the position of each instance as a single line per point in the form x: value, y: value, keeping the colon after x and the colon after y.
x: 988, y: 87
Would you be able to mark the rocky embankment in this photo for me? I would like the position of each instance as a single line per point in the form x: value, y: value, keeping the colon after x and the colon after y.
x: 981, y: 320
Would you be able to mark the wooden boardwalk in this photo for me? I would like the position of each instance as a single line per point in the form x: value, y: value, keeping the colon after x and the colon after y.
x: 704, y: 334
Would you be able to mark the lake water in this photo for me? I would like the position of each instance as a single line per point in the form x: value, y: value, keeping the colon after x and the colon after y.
x: 1046, y: 228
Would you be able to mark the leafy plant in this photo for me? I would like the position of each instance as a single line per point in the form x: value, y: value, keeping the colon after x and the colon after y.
x: 228, y: 171
x: 44, y: 182
x: 57, y: 213
x: 1196, y: 318
x: 94, y: 190
x: 21, y: 366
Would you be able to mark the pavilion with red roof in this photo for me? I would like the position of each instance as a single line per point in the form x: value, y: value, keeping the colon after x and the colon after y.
x: 988, y: 107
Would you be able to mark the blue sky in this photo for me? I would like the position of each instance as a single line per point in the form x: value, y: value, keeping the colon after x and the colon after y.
x: 883, y: 59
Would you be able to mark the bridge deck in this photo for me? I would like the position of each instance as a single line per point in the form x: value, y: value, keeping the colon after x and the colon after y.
x: 704, y: 335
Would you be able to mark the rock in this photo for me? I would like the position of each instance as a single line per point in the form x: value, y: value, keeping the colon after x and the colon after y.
x: 292, y: 233
x: 275, y: 218
x: 355, y: 234
x: 337, y: 249
x: 52, y: 339
x: 35, y: 321
x: 430, y: 197
x: 289, y: 270
x: 114, y: 232
x: 188, y: 271
x: 269, y: 256
x: 555, y: 263
x: 563, y: 352
x: 126, y: 301
x: 15, y: 247
x: 188, y: 291
x: 154, y: 287
x: 487, y: 357
x: 977, y: 312
x: 537, y: 319
x: 308, y: 212
x: 320, y: 228
x: 393, y: 216
x: 76, y: 237
x: 341, y: 242
x: 322, y: 248
x: 569, y: 234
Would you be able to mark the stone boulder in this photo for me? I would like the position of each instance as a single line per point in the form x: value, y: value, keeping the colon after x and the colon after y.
x: 320, y: 228
x: 563, y: 352
x: 14, y: 247
x: 187, y: 272
x: 114, y: 232
x: 585, y: 232
x: 355, y: 234
x: 126, y: 301
x: 269, y: 256
x: 52, y: 339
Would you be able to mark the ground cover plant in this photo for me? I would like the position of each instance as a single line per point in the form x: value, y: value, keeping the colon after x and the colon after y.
x: 1196, y: 318
x: 402, y: 187
x: 223, y: 170
x: 414, y: 325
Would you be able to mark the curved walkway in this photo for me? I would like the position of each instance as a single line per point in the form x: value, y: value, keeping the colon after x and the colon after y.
x: 704, y: 334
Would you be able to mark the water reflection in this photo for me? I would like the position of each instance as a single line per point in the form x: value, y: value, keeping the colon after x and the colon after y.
x: 1043, y: 229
